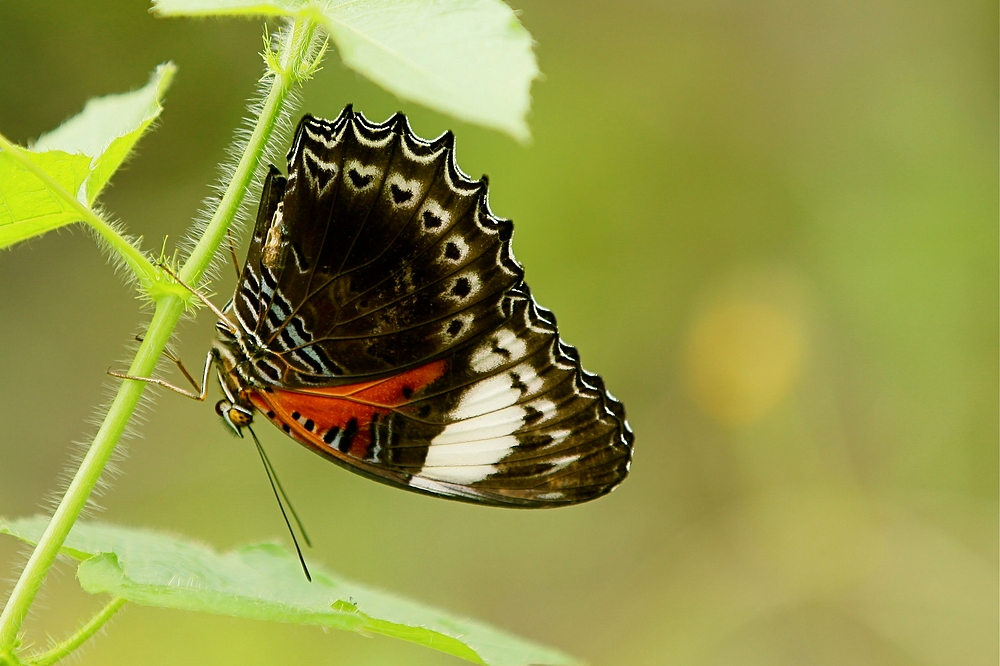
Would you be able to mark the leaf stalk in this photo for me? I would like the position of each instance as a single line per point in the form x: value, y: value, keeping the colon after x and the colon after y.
x: 81, y: 636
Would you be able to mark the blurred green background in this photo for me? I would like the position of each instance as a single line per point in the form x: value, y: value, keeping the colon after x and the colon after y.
x: 772, y: 228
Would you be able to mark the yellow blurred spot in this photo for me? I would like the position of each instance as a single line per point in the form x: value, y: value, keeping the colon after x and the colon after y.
x: 743, y: 357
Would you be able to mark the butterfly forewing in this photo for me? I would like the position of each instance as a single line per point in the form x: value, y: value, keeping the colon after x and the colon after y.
x: 393, y: 256
x: 394, y: 334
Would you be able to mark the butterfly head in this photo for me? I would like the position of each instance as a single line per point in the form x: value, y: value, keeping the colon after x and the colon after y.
x: 235, y: 409
x: 236, y: 416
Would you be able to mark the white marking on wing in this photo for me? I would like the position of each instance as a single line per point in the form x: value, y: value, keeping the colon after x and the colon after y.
x: 484, y: 426
x: 311, y: 353
x: 370, y: 142
x: 487, y: 357
x: 484, y: 359
x: 435, y: 209
x: 414, y: 157
x: 471, y: 281
x: 320, y: 137
x: 460, y: 244
x: 533, y: 320
x: 335, y: 443
x: 264, y: 286
x: 558, y: 436
x: 243, y: 323
x: 529, y: 378
x: 294, y: 335
x: 487, y: 396
x: 411, y: 186
x: 465, y: 319
x: 362, y: 170
x: 270, y: 364
x: 467, y: 451
x: 486, y: 452
x: 251, y: 306
x: 509, y: 341
x: 546, y: 407
x: 464, y: 474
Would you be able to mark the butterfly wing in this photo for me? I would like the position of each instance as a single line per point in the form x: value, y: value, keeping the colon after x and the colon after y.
x: 403, y: 342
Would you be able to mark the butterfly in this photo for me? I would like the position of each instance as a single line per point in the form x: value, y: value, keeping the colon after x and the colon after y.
x: 381, y: 320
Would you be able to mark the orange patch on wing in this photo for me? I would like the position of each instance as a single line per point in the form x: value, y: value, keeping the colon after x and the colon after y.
x: 390, y: 392
x: 336, y: 407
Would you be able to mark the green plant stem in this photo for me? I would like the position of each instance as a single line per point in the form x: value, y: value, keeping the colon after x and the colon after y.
x: 135, y: 259
x: 293, y: 53
x: 81, y: 636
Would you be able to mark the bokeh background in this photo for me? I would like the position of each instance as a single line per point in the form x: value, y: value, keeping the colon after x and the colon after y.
x: 772, y: 228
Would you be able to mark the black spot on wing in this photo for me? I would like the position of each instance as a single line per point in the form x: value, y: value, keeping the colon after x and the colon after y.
x: 432, y: 221
x: 358, y: 179
x: 462, y: 287
x: 350, y: 432
x: 399, y: 195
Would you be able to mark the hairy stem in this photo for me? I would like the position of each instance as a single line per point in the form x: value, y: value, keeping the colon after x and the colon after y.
x: 81, y: 636
x: 292, y: 67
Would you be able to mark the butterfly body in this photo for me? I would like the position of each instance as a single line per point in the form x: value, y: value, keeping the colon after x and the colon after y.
x: 382, y: 321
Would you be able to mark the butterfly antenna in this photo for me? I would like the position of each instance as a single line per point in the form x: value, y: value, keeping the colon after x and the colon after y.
x: 277, y: 482
x: 275, y: 485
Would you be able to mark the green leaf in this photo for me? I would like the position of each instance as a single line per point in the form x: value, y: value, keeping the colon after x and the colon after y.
x: 77, y: 160
x: 471, y: 59
x: 108, y: 128
x: 265, y: 582
x: 28, y: 207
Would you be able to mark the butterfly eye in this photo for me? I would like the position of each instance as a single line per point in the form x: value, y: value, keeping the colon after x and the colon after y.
x: 240, y: 417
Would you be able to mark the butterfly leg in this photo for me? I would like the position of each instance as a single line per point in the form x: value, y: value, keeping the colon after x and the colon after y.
x: 187, y: 375
x: 202, y: 391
